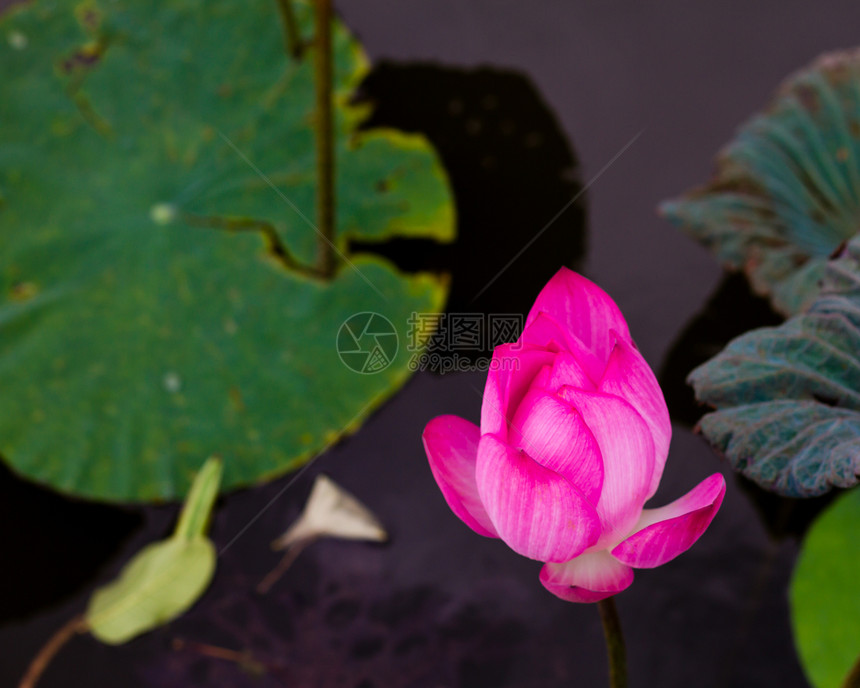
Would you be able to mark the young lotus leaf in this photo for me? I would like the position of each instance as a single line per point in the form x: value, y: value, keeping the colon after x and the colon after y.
x: 157, y: 184
x: 788, y: 397
x: 825, y: 606
x: 162, y: 581
x: 786, y: 191
x: 165, y: 578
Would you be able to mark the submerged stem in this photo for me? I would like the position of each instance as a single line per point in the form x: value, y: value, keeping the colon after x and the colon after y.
x: 292, y: 38
x: 614, y: 643
x: 323, y: 123
x: 66, y: 632
x: 243, y: 658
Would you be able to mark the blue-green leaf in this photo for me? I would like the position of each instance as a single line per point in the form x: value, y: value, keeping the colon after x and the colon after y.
x: 786, y: 191
x: 788, y: 397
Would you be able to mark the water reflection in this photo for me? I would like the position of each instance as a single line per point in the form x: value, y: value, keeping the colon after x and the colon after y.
x: 512, y: 170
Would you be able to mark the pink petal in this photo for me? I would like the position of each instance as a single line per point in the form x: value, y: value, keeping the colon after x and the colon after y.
x: 543, y: 379
x: 451, y: 444
x: 662, y: 534
x: 628, y: 457
x: 588, y: 578
x: 629, y: 376
x: 535, y: 511
x: 543, y: 332
x: 512, y: 370
x: 554, y: 434
x: 567, y: 370
x: 582, y: 309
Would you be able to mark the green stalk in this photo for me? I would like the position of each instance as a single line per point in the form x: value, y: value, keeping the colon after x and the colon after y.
x: 324, y: 137
x: 614, y: 643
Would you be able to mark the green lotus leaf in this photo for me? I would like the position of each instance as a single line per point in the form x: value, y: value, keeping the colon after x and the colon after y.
x: 788, y: 397
x: 786, y: 191
x: 165, y: 578
x: 157, y: 185
x: 825, y: 606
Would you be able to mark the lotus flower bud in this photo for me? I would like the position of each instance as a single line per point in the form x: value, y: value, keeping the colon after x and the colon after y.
x: 573, y: 439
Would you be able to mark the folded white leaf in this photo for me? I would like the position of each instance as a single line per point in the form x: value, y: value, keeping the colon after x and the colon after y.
x: 332, y: 512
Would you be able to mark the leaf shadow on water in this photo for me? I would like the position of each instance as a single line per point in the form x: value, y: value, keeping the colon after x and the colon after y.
x: 514, y: 176
x: 45, y: 533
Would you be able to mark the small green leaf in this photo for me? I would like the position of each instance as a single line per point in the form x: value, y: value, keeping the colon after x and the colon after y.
x: 788, y: 397
x: 786, y: 191
x: 161, y: 582
x: 825, y: 604
x: 165, y: 578
x: 198, y: 505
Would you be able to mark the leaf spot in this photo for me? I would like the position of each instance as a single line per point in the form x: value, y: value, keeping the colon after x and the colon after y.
x: 172, y: 382
x: 162, y: 213
x: 24, y: 291
x: 17, y: 40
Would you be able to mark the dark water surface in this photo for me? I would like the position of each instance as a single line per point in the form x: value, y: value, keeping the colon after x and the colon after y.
x: 440, y: 606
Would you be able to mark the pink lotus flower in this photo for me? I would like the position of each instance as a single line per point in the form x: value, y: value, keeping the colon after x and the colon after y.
x: 573, y: 440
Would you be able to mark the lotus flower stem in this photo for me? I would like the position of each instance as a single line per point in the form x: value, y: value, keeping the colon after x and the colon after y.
x: 292, y: 39
x: 853, y: 678
x: 55, y: 643
x: 323, y: 123
x: 614, y: 643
